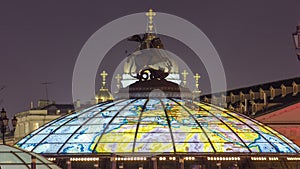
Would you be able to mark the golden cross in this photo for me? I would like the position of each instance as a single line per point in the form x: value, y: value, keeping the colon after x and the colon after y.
x: 184, y: 74
x: 118, y: 77
x: 197, y: 77
x: 103, y: 74
x: 150, y: 16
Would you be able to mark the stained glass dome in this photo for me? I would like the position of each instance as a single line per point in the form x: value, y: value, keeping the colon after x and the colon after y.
x: 155, y: 125
x: 12, y: 158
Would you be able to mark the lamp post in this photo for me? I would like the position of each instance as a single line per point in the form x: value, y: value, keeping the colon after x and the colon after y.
x: 14, y: 124
x: 4, y: 124
x: 296, y: 37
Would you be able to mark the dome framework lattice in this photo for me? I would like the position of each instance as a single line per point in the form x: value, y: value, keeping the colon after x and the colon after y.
x: 155, y: 126
x: 12, y: 157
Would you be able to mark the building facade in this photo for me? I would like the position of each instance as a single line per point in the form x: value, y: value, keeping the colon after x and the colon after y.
x: 34, y: 118
x: 258, y: 99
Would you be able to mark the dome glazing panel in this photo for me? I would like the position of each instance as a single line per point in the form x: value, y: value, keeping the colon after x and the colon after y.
x: 155, y: 126
x: 11, y: 158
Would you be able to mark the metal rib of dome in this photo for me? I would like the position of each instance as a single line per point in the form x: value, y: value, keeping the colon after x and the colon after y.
x: 155, y: 126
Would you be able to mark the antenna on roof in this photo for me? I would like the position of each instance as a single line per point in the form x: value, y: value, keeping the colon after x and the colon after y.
x: 46, y: 88
x: 2, y: 88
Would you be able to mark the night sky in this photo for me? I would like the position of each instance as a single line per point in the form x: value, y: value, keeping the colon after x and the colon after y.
x: 40, y: 41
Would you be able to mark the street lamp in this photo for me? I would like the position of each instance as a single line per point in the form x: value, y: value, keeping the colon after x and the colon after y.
x: 296, y: 37
x: 14, y: 124
x: 4, y: 124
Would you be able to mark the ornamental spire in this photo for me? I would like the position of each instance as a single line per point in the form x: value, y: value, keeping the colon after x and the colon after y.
x: 150, y: 14
x: 184, y: 74
x: 118, y: 78
x: 197, y: 77
x: 196, y: 92
x: 103, y: 74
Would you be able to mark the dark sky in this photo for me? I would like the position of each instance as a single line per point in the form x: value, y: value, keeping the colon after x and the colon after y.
x: 40, y: 41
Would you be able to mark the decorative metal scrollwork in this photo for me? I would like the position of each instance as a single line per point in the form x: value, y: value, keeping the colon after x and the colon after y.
x: 150, y: 74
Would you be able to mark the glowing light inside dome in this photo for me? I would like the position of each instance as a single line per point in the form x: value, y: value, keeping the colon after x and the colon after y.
x: 155, y: 126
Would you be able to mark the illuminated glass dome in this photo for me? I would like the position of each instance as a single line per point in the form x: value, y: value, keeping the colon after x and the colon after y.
x: 11, y: 158
x: 155, y: 126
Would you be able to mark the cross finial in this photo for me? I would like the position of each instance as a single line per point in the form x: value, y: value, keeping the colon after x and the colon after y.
x: 103, y: 74
x: 197, y: 77
x: 184, y: 74
x: 150, y: 16
x: 118, y: 77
